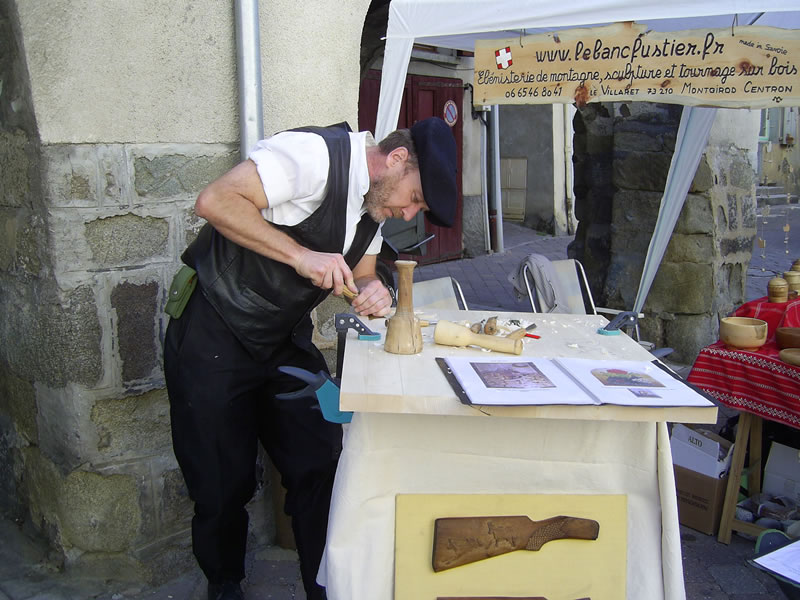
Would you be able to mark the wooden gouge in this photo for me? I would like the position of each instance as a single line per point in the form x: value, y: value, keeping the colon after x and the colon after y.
x: 463, y: 540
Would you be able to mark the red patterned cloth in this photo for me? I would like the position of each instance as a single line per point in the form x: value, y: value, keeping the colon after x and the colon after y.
x: 757, y: 382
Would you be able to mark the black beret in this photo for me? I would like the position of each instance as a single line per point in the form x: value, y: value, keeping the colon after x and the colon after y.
x: 436, y: 153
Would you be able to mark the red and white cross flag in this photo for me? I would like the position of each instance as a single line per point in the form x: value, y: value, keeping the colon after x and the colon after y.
x: 503, y: 57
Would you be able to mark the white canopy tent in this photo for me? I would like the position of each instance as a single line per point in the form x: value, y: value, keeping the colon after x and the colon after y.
x: 458, y: 23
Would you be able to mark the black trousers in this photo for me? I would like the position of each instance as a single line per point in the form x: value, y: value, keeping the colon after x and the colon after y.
x: 221, y: 405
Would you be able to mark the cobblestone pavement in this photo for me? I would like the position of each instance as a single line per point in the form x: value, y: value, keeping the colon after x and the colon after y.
x: 712, y: 571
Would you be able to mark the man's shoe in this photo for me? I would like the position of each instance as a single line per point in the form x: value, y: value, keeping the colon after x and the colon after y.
x: 227, y: 590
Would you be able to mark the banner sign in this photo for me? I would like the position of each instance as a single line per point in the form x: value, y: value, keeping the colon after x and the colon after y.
x: 740, y: 67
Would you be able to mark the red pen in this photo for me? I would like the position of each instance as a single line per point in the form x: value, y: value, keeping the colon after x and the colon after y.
x: 536, y: 337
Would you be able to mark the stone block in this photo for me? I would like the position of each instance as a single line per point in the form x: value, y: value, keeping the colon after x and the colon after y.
x: 731, y: 207
x: 687, y: 334
x: 635, y: 211
x: 653, y: 112
x: 169, y: 175
x: 175, y: 508
x: 18, y: 401
x: 71, y: 175
x: 636, y: 141
x: 113, y: 183
x: 126, y: 239
x: 23, y: 241
x: 9, y: 227
x: 136, y: 306
x: 690, y: 248
x: 97, y: 513
x: 66, y: 434
x: 110, y: 566
x: 622, y: 280
x: 55, y: 340
x: 134, y: 426
x: 741, y: 174
x: 192, y: 225
x: 731, y: 285
x: 167, y: 558
x: 696, y: 215
x: 703, y: 179
x: 642, y: 171
x: 41, y: 485
x: 12, y: 503
x: 682, y: 288
x: 599, y: 144
x: 15, y: 165
x: 740, y: 246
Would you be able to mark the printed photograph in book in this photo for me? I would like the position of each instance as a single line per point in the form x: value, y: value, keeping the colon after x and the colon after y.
x: 511, y: 375
x: 624, y: 378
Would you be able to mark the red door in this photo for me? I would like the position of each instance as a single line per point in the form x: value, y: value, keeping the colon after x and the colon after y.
x: 423, y: 97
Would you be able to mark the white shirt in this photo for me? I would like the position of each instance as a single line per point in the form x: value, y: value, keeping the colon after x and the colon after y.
x: 293, y: 167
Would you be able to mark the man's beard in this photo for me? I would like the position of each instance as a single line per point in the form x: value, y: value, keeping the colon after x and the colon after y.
x: 380, y: 190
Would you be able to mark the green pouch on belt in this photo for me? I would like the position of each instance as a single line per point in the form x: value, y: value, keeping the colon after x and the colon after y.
x: 180, y: 291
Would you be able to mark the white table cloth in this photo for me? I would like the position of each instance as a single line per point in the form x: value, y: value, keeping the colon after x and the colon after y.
x: 414, y: 436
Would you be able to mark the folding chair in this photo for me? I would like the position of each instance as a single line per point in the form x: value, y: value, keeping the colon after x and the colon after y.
x: 560, y: 286
x: 443, y: 293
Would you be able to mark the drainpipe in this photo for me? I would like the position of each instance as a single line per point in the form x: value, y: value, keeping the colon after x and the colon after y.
x: 248, y: 68
x: 495, y: 200
x: 487, y: 237
x: 569, y: 113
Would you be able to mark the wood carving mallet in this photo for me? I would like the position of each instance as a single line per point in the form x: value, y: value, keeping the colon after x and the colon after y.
x: 463, y: 540
x: 448, y: 333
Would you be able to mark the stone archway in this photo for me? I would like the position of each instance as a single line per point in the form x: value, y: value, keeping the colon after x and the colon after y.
x: 622, y: 156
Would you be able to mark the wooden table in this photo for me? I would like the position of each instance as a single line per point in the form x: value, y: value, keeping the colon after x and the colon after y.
x: 760, y: 386
x: 411, y: 435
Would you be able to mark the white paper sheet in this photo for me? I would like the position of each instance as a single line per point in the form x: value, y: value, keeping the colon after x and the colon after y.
x: 631, y: 383
x: 783, y: 561
x: 518, y: 381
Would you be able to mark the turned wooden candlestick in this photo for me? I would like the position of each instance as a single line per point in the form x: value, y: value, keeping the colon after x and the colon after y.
x: 403, y: 332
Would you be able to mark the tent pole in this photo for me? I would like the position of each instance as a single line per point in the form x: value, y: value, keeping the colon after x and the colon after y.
x: 495, y: 200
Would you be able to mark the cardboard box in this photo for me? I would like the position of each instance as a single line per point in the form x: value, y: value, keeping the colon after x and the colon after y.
x: 782, y: 473
x: 700, y: 499
x: 700, y: 450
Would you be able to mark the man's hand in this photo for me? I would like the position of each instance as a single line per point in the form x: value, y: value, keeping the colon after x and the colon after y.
x: 326, y: 271
x: 373, y: 298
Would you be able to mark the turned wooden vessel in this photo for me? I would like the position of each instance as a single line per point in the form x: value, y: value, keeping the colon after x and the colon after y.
x: 403, y: 332
x: 778, y: 290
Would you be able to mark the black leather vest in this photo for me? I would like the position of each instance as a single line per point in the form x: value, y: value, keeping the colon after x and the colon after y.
x: 265, y: 302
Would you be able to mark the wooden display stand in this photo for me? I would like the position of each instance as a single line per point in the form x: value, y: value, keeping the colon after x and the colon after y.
x: 748, y: 434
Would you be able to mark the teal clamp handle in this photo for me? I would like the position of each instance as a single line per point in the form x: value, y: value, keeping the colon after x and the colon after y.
x: 323, y: 388
x: 328, y: 398
x: 602, y: 331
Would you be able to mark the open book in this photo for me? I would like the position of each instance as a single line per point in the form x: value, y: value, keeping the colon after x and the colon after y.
x: 528, y: 381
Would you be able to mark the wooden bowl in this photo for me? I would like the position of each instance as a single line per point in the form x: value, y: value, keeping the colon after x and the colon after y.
x: 787, y: 337
x: 743, y: 333
x: 790, y: 356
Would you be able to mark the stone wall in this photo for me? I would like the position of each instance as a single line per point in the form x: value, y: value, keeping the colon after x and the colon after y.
x: 109, y: 130
x: 622, y: 157
x: 87, y: 433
